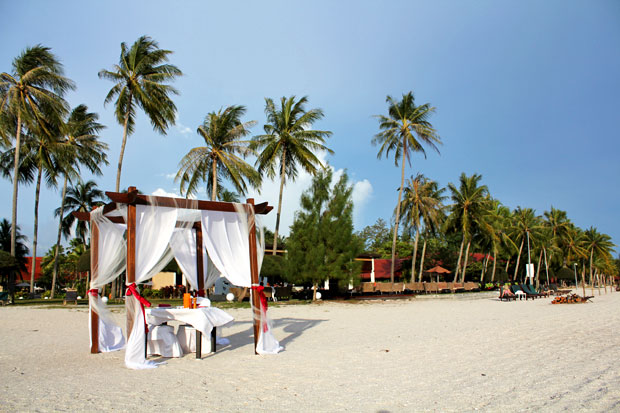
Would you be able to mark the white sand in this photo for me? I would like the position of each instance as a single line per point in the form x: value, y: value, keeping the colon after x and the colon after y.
x: 463, y: 354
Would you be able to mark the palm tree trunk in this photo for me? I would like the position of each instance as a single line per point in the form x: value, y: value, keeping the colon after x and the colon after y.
x: 214, y: 178
x: 507, y: 264
x: 458, y: 263
x: 15, y: 180
x: 591, y: 258
x: 538, y: 269
x: 400, y: 196
x: 56, y: 253
x: 36, y: 227
x: 415, y: 252
x: 484, y: 267
x: 465, y: 264
x: 120, y: 157
x: 494, y: 264
x: 282, y: 178
x: 518, y: 260
x: 421, y: 262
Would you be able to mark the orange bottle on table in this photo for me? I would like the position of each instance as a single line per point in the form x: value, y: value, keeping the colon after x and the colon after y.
x: 187, y: 300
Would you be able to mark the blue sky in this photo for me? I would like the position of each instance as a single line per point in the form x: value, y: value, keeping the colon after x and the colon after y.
x: 527, y: 92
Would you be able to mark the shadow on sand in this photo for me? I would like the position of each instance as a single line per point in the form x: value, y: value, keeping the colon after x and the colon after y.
x: 293, y: 326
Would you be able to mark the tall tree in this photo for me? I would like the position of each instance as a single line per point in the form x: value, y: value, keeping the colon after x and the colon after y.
x: 421, y: 206
x: 527, y: 229
x: 406, y: 129
x: 470, y: 205
x: 83, y: 149
x: 289, y: 143
x: 33, y: 95
x: 140, y: 80
x: 222, y: 132
x: 322, y: 244
x: 81, y: 197
x: 597, y: 245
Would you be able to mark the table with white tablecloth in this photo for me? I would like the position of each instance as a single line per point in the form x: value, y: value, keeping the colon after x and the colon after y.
x: 204, y: 319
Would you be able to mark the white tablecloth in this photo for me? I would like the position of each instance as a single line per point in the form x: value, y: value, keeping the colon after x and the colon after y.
x: 203, y: 318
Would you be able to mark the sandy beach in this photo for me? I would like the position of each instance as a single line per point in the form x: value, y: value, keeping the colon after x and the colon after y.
x: 461, y: 353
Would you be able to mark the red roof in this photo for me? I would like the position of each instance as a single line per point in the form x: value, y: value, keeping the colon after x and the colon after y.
x: 382, y: 269
x: 25, y: 275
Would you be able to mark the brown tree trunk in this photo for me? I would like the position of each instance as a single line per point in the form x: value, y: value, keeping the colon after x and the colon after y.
x: 458, y: 262
x: 538, y: 269
x: 282, y: 179
x: 421, y: 262
x: 415, y: 252
x: 314, y: 292
x: 18, y: 134
x: 57, y: 252
x: 465, y: 264
x: 214, y: 180
x: 494, y: 264
x: 518, y: 260
x: 507, y: 265
x: 120, y: 157
x: 36, y: 227
x: 400, y: 195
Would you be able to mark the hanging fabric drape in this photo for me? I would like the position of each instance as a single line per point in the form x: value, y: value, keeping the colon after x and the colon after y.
x: 183, y: 245
x: 105, y: 268
x: 225, y: 237
x: 154, y: 228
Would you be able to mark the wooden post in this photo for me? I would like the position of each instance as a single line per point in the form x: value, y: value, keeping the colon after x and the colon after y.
x: 199, y: 263
x: 94, y: 258
x: 254, y: 273
x: 131, y: 251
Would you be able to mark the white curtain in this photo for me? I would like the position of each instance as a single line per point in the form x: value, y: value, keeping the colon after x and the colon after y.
x: 225, y: 236
x: 183, y: 245
x: 106, y: 266
x: 154, y: 228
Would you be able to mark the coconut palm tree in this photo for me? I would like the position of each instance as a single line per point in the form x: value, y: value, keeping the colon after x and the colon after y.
x: 598, y: 245
x: 223, y: 133
x: 527, y: 227
x: 83, y: 148
x: 406, y: 129
x: 500, y: 219
x: 288, y: 144
x: 33, y: 96
x: 421, y: 205
x: 469, y: 208
x: 140, y: 81
x: 82, y: 197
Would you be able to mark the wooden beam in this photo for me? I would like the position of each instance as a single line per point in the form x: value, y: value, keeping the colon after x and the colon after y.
x: 94, y: 317
x: 254, y: 276
x: 199, y: 262
x: 182, y: 203
x: 131, y: 254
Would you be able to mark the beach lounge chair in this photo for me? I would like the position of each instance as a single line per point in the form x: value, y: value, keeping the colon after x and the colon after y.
x: 430, y: 288
x: 4, y: 298
x: 471, y: 286
x: 531, y: 291
x: 442, y: 286
x: 384, y: 288
x: 520, y: 293
x: 398, y: 288
x: 415, y: 287
x: 506, y: 294
x: 70, y: 296
x: 458, y: 287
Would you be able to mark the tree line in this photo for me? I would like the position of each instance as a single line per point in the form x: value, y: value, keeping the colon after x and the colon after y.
x: 43, y: 138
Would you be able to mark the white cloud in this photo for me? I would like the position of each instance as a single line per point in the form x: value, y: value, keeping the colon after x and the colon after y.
x: 170, y: 176
x: 163, y: 192
x: 183, y: 130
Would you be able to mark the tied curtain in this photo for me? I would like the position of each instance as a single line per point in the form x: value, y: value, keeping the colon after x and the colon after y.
x: 154, y: 228
x: 226, y: 239
x: 105, y: 268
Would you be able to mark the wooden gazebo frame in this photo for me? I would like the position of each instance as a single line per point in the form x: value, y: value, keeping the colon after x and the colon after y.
x: 132, y: 198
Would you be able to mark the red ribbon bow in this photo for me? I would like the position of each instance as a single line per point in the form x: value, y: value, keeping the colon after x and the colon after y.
x: 131, y: 290
x: 94, y: 292
x: 263, y: 302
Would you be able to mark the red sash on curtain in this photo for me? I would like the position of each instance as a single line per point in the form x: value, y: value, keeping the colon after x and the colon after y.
x: 131, y: 290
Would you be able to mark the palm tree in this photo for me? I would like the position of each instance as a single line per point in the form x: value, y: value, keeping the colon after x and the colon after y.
x: 289, y: 143
x: 33, y: 95
x: 83, y: 149
x: 82, y: 197
x: 422, y: 203
x: 222, y: 132
x: 21, y: 250
x: 500, y: 218
x: 598, y: 245
x: 406, y: 129
x: 140, y: 81
x: 469, y: 208
x: 527, y: 227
